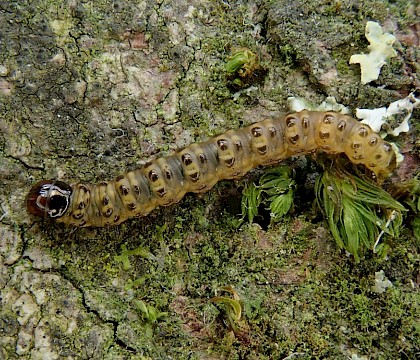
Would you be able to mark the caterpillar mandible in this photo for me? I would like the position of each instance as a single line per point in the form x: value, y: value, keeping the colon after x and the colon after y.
x: 199, y: 166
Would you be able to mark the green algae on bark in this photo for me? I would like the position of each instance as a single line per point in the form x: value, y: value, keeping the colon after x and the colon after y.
x: 77, y: 98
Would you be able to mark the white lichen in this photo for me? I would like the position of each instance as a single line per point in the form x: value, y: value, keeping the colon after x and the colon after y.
x: 399, y: 156
x: 381, y: 282
x: 296, y: 104
x: 381, y: 119
x: 357, y: 357
x: 380, y: 50
x: 246, y: 91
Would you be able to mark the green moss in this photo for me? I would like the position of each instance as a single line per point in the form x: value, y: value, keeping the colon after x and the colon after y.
x: 294, y: 285
x: 125, y: 253
x: 274, y: 190
x: 299, y: 293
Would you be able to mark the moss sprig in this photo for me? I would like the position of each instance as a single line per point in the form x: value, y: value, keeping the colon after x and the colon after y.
x: 358, y: 212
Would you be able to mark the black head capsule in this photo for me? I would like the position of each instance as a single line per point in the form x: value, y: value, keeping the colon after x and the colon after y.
x: 49, y: 198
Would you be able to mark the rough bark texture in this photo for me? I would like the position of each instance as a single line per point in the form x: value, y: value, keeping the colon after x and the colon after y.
x: 88, y: 90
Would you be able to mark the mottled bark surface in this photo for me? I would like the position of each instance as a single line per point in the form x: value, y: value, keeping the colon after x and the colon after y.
x: 89, y: 89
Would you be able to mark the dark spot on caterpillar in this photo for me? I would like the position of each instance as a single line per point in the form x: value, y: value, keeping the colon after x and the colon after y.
x: 373, y: 141
x: 363, y: 132
x: 263, y: 149
x: 203, y: 158
x: 387, y: 148
x: 168, y: 174
x: 124, y: 190
x: 272, y: 131
x: 294, y: 139
x: 230, y: 162
x: 290, y: 122
x: 341, y: 125
x: 238, y: 145
x: 194, y: 177
x: 328, y: 119
x: 153, y: 176
x: 108, y: 212
x: 132, y: 206
x: 223, y: 144
x: 324, y: 134
x: 186, y: 159
x: 258, y: 144
x: 256, y: 132
x: 161, y: 192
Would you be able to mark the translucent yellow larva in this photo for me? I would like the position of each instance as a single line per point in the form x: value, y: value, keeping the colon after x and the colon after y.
x: 196, y: 168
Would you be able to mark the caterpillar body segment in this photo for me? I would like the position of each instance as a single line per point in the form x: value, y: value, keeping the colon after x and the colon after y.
x: 199, y: 166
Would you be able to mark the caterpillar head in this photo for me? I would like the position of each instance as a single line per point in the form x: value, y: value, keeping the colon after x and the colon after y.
x: 49, y: 198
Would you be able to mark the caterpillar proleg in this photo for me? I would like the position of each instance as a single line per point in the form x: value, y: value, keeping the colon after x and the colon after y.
x: 199, y: 166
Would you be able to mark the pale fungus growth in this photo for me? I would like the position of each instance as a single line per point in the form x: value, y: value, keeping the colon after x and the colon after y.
x: 380, y: 50
x: 392, y: 119
x: 381, y: 282
x: 296, y: 104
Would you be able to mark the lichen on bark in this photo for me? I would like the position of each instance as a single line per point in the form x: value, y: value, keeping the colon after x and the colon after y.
x: 90, y: 89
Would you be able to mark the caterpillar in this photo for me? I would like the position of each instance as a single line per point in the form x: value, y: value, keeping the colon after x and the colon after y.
x: 199, y: 166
